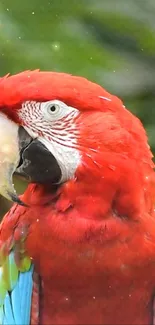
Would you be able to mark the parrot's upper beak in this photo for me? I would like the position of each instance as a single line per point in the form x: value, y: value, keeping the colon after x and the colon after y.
x: 25, y: 156
x: 9, y: 157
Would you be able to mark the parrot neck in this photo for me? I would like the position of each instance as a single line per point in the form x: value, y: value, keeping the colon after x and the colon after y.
x: 118, y: 189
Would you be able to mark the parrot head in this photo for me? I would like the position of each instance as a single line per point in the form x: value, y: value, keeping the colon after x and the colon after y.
x: 64, y: 130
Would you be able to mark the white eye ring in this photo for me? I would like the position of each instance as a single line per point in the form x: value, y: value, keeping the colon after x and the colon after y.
x: 55, y: 110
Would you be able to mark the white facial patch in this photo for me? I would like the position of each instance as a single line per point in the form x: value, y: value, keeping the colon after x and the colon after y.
x: 53, y: 123
x: 68, y: 158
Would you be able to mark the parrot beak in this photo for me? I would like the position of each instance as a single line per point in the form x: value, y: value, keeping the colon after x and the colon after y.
x: 9, y: 157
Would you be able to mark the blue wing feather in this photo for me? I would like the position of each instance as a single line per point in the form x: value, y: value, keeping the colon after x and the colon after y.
x: 8, y: 314
x: 26, y: 299
x: 17, y: 303
x: 16, y: 306
x: 1, y: 314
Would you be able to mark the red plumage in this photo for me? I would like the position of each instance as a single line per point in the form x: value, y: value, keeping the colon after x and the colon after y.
x: 92, y: 239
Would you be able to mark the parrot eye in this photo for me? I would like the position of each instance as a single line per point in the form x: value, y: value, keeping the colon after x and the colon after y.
x: 52, y: 108
x: 55, y: 110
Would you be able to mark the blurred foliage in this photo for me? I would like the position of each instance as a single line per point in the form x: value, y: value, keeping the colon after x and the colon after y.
x: 110, y: 42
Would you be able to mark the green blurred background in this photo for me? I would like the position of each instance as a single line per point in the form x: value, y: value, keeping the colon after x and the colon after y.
x: 111, y: 42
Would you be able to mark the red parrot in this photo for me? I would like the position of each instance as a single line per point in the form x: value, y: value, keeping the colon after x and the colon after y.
x: 78, y: 247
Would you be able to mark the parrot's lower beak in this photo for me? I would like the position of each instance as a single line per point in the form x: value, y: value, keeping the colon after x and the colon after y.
x: 24, y: 156
x: 37, y: 164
